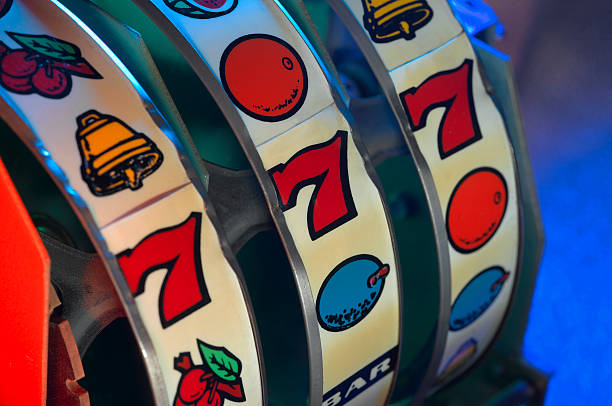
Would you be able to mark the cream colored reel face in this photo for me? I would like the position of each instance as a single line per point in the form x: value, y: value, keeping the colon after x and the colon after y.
x: 83, y: 114
x: 80, y: 110
x: 432, y: 82
x: 476, y: 181
x: 320, y: 189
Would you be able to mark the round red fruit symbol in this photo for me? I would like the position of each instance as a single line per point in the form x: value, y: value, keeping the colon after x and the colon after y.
x: 211, y: 383
x: 202, y: 8
x: 5, y: 6
x: 476, y: 209
x: 44, y: 65
x: 264, y: 76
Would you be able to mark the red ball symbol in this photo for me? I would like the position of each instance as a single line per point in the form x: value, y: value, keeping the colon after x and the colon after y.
x: 264, y: 76
x: 476, y: 209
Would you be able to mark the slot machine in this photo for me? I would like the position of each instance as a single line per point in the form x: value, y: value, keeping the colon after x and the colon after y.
x: 263, y: 202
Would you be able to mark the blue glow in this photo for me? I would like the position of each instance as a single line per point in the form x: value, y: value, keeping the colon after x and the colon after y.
x: 474, y: 15
x: 569, y: 331
x: 100, y: 43
x: 500, y: 30
x: 57, y: 172
x: 481, y: 44
x: 148, y: 103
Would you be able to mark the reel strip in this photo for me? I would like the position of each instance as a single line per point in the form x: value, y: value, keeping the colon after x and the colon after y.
x: 435, y: 89
x: 337, y: 236
x: 129, y: 181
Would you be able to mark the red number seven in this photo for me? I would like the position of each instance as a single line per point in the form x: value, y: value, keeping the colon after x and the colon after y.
x: 452, y: 90
x: 325, y: 166
x: 176, y: 249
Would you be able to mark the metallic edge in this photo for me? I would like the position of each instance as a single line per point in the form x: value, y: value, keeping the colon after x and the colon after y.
x: 203, y: 70
x: 470, y: 366
x: 20, y: 126
x: 435, y: 209
x: 340, y: 96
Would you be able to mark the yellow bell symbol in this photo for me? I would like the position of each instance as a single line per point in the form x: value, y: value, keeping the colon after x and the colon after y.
x: 114, y: 156
x: 387, y: 20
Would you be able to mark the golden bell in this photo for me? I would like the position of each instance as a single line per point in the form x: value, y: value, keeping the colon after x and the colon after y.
x: 114, y: 156
x: 387, y: 20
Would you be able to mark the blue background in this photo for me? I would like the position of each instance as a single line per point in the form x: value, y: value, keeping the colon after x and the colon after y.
x: 563, y: 57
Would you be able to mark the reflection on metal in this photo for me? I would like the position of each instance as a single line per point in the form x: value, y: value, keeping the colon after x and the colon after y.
x: 127, y: 147
x: 74, y: 273
x: 107, y: 145
x: 362, y: 41
x: 114, y: 156
x: 463, y: 354
x: 387, y: 20
x: 240, y: 204
x: 476, y: 16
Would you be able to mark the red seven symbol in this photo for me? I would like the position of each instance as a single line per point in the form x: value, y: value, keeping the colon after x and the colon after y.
x: 176, y: 249
x: 451, y: 89
x: 325, y: 166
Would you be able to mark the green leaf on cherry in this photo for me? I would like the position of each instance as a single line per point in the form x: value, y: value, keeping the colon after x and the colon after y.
x: 225, y: 365
x: 47, y: 46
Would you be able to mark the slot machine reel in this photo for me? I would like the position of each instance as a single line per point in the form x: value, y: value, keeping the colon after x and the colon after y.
x: 413, y: 74
x: 243, y: 210
x: 137, y: 225
x: 296, y: 132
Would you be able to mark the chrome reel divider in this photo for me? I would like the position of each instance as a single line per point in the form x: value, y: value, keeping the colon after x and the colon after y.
x: 290, y: 126
x: 418, y: 51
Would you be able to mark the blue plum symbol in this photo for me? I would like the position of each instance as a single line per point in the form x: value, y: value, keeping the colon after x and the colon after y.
x: 350, y: 291
x: 477, y: 296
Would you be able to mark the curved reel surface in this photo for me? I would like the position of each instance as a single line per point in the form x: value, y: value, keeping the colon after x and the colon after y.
x: 279, y: 180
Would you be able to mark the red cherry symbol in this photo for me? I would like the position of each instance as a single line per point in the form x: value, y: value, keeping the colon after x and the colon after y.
x: 476, y: 208
x: 264, y: 76
x: 17, y: 85
x: 208, y: 400
x: 211, y: 4
x: 54, y: 84
x: 18, y: 63
x: 192, y: 385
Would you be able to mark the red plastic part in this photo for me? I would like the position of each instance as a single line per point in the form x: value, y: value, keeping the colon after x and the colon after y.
x: 24, y: 302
